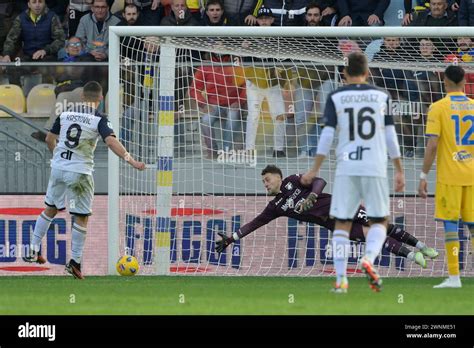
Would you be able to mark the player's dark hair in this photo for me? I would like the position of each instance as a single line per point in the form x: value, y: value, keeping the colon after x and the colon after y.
x: 272, y: 169
x: 357, y: 64
x: 92, y: 91
x: 454, y: 73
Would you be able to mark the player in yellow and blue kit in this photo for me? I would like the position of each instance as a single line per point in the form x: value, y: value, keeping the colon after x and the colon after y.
x: 450, y: 127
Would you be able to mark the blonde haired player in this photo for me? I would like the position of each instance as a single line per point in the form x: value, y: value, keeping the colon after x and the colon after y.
x: 450, y: 127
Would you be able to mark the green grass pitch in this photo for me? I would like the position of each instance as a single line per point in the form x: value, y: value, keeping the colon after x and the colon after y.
x: 179, y: 295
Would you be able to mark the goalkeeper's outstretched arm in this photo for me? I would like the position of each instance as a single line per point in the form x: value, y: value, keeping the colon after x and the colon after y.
x: 262, y: 219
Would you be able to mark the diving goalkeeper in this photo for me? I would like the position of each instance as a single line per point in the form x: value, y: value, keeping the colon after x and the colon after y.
x: 310, y: 204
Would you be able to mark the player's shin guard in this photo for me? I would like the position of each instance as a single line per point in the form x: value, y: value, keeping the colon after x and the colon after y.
x: 452, y: 245
x: 78, y: 241
x: 41, y: 227
x: 374, y: 241
x: 340, y: 252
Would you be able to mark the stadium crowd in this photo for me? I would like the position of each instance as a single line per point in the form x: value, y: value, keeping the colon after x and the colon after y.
x: 76, y: 31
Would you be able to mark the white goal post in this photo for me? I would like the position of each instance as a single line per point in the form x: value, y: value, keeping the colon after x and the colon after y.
x: 147, y: 211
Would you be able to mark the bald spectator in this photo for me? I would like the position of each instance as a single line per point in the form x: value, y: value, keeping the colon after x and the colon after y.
x: 180, y: 15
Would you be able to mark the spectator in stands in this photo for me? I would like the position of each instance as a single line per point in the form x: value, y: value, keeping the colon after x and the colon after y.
x: 466, y: 13
x: 77, y: 10
x: 306, y: 89
x: 429, y: 84
x: 240, y: 12
x: 465, y: 53
x: 180, y: 15
x: 74, y: 51
x: 131, y: 16
x: 139, y: 106
x: 313, y: 16
x: 93, y: 30
x: 286, y: 13
x: 328, y: 11
x: 422, y: 6
x: 264, y: 82
x: 151, y: 11
x: 220, y: 95
x: 401, y: 85
x: 214, y: 14
x: 40, y: 32
x: 437, y: 16
x: 9, y: 10
x: 362, y: 12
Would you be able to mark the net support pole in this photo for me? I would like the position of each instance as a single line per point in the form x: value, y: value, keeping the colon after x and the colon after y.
x: 113, y: 160
x: 164, y: 175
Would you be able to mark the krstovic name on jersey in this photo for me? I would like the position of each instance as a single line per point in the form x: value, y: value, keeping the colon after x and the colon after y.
x: 79, y: 130
x: 360, y: 114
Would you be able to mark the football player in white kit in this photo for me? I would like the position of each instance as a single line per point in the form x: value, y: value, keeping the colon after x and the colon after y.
x: 360, y: 113
x: 73, y: 139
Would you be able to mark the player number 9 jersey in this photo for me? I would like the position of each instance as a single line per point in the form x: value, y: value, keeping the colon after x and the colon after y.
x: 79, y: 130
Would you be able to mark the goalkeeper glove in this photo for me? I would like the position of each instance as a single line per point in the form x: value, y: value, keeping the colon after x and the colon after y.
x: 308, y: 203
x: 224, y: 242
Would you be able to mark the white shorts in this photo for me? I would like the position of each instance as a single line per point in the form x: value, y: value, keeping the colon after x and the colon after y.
x: 76, y: 188
x: 349, y: 191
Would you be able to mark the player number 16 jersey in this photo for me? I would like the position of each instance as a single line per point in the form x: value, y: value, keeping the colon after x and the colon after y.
x: 359, y: 113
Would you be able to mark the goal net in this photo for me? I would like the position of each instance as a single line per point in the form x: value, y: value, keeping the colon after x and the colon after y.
x: 208, y: 108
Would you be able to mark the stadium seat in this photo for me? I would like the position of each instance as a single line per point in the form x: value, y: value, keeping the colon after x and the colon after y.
x: 12, y: 97
x: 41, y: 101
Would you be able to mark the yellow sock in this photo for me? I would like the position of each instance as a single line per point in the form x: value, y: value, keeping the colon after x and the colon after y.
x: 452, y: 254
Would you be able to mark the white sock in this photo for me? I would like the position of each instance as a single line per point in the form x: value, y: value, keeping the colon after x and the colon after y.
x: 78, y: 240
x: 340, y: 253
x: 41, y: 227
x: 420, y: 245
x: 411, y: 256
x: 374, y: 241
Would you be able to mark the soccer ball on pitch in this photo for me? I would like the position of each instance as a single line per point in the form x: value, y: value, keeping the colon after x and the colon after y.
x: 127, y: 265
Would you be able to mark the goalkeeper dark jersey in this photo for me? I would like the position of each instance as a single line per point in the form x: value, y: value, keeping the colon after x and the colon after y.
x: 291, y: 196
